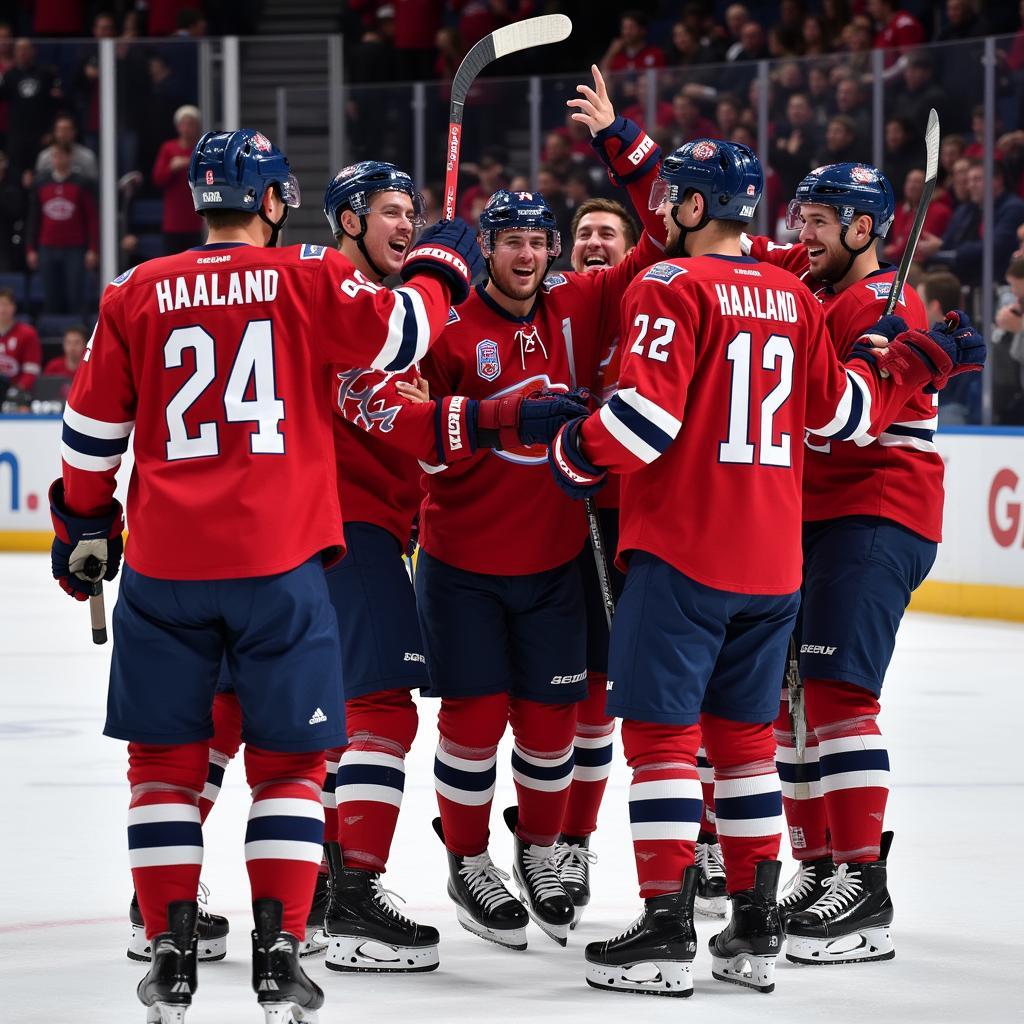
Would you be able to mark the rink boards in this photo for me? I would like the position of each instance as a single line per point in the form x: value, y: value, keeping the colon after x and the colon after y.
x: 979, y: 570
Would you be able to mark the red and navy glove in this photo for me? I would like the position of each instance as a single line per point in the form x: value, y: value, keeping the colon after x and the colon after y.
x: 572, y: 470
x: 626, y: 150
x: 464, y: 425
x: 448, y: 248
x: 85, y: 550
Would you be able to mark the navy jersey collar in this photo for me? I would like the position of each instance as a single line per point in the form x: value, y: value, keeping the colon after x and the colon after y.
x: 504, y: 313
x: 211, y: 246
x: 731, y: 259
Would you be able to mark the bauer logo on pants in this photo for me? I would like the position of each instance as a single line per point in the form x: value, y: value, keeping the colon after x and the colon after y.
x: 488, y: 365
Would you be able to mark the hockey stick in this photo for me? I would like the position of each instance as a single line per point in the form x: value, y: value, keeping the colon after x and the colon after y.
x: 600, y: 560
x: 797, y: 718
x: 97, y: 610
x: 520, y: 35
x: 931, y: 174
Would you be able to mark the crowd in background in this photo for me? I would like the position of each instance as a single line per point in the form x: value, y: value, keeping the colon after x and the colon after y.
x: 683, y: 70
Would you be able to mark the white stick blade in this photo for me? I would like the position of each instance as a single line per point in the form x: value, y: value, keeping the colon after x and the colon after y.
x: 931, y: 143
x: 521, y: 35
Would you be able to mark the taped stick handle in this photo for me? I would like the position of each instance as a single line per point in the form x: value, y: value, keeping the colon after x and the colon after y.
x: 451, y: 176
x: 98, y: 614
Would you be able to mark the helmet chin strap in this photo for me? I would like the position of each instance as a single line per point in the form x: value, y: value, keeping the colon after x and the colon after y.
x: 275, y: 225
x: 678, y: 248
x: 360, y: 241
x: 854, y: 253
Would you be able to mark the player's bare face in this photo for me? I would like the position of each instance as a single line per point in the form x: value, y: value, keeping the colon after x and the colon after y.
x: 820, y: 234
x: 519, y: 262
x: 389, y: 230
x: 599, y: 242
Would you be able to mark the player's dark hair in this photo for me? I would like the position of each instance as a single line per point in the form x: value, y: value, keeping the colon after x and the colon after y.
x: 1016, y: 268
x: 220, y: 220
x: 600, y: 205
x: 634, y: 15
x: 77, y: 329
x: 8, y: 293
x: 944, y: 288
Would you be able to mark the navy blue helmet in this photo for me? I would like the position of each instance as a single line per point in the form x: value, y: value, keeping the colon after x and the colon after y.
x: 232, y: 170
x: 352, y: 187
x: 851, y: 189
x: 727, y: 174
x: 506, y: 210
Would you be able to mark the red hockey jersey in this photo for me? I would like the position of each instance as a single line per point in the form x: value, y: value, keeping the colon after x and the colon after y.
x: 20, y: 355
x: 217, y: 358
x: 500, y: 512
x: 731, y: 360
x: 896, y: 472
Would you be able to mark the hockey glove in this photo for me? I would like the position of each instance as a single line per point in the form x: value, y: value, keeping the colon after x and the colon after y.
x: 626, y: 150
x: 84, y: 550
x: 450, y: 250
x: 573, y: 472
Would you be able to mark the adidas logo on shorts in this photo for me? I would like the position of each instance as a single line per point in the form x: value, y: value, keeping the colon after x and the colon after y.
x: 318, y: 717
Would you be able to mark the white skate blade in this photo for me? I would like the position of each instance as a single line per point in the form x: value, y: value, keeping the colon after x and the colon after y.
x: 510, y: 938
x: 139, y: 948
x: 558, y: 932
x: 756, y: 972
x: 314, y: 943
x: 864, y: 947
x: 714, y: 906
x: 577, y: 913
x: 287, y: 1013
x: 357, y: 953
x: 165, y: 1013
x: 649, y: 977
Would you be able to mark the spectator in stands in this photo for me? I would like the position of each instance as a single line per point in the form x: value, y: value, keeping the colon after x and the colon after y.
x: 858, y: 40
x: 816, y: 39
x: 951, y: 148
x: 790, y: 25
x: 558, y: 154
x: 20, y: 350
x: 962, y: 22
x: 32, y: 93
x: 975, y: 148
x: 895, y: 29
x: 638, y: 110
x: 686, y: 48
x: 12, y: 220
x: 83, y: 159
x: 630, y: 50
x: 961, y: 247
x: 372, y: 59
x: 85, y: 83
x: 819, y: 91
x: 416, y: 25
x: 920, y: 92
x: 688, y: 123
x: 490, y: 174
x: 797, y: 143
x: 752, y: 43
x: 1007, y: 348
x: 841, y: 143
x: 577, y: 189
x: 787, y: 80
x: 901, y: 153
x: 958, y: 182
x: 182, y: 226
x: 736, y: 16
x: 450, y: 51
x: 727, y: 114
x: 62, y: 234
x: 852, y: 103
x: 65, y: 365
x: 935, y: 223
x: 960, y: 401
x: 836, y: 15
x: 166, y: 94
x: 550, y: 186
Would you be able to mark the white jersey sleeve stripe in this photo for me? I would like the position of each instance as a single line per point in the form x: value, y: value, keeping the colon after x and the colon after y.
x: 659, y: 417
x: 632, y: 442
x: 90, y: 463
x: 96, y: 428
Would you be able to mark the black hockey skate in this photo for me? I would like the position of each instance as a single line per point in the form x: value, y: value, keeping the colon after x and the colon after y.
x: 851, y: 923
x: 365, y: 930
x: 211, y: 930
x: 167, y: 990
x: 744, y: 952
x: 284, y: 992
x: 535, y: 869
x: 574, y: 857
x: 712, y: 900
x: 315, y: 941
x: 482, y: 903
x: 804, y: 888
x: 654, y: 955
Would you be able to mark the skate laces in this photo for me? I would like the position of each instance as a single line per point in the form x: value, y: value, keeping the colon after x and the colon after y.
x: 710, y: 861
x: 633, y: 926
x: 485, y: 880
x: 840, y: 891
x: 573, y: 862
x: 203, y: 898
x: 799, y: 885
x: 385, y: 899
x: 542, y: 872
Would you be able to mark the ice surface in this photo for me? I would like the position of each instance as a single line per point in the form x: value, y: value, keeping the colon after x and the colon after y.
x: 953, y: 707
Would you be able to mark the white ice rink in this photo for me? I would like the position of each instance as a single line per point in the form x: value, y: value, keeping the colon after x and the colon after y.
x: 953, y: 707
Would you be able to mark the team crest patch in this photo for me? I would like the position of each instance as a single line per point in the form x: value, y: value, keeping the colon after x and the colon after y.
x: 260, y: 142
x: 663, y: 272
x: 121, y: 278
x: 553, y: 281
x: 453, y: 316
x: 312, y: 252
x: 488, y: 365
x: 704, y: 150
x: 881, y: 290
x: 209, y: 177
x: 864, y: 175
x: 751, y: 191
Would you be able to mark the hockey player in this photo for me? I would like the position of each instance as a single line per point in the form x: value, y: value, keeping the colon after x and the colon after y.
x: 872, y: 521
x: 725, y: 362
x: 498, y: 587
x: 214, y: 357
x: 602, y: 233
